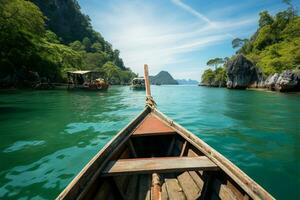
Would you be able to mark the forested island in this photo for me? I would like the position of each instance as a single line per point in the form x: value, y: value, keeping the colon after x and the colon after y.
x: 269, y: 59
x: 42, y: 40
x: 163, y: 78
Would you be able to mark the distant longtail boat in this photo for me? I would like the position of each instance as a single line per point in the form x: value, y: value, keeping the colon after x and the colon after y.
x: 138, y: 84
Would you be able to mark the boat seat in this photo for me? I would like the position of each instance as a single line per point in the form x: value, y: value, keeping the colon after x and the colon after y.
x: 151, y: 125
x: 158, y: 164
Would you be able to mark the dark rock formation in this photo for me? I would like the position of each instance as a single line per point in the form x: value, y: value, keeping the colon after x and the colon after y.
x: 20, y: 79
x: 242, y: 73
x: 219, y: 83
x: 163, y: 78
x: 288, y: 81
x: 270, y: 82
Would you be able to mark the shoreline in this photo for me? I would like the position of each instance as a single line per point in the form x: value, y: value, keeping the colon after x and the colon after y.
x: 12, y: 89
x: 253, y: 89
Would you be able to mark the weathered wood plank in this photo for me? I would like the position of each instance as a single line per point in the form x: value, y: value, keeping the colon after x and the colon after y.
x: 156, y: 187
x: 183, y: 149
x: 235, y: 190
x: 197, y: 179
x: 161, y: 164
x: 175, y: 192
x: 188, y: 185
x: 191, y: 153
x: 223, y: 191
x: 164, y: 192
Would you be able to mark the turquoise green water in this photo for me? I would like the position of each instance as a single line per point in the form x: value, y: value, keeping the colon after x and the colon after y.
x: 46, y: 137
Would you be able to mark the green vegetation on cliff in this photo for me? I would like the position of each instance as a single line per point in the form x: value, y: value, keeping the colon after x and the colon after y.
x: 66, y: 20
x: 50, y: 45
x: 216, y: 77
x: 275, y: 46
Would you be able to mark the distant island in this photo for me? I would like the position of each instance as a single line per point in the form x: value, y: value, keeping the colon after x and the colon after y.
x: 163, y: 78
x: 187, y: 82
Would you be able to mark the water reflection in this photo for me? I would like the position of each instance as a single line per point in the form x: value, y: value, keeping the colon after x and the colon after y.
x: 66, y: 130
x: 266, y: 125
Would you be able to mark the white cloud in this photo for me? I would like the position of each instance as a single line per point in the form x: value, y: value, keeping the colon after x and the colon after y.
x: 192, y: 11
x: 144, y: 33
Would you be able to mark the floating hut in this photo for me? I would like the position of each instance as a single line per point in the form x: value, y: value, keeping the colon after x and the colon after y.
x: 88, y: 80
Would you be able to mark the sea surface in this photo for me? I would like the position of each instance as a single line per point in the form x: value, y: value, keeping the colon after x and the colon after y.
x: 46, y: 137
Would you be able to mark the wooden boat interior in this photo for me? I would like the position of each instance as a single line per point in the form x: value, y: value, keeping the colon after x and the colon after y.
x: 156, y: 158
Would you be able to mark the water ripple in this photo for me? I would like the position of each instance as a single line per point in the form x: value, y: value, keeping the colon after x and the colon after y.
x: 48, y: 136
x: 20, y: 145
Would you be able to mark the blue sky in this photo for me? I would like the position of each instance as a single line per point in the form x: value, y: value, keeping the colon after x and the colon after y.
x: 178, y: 36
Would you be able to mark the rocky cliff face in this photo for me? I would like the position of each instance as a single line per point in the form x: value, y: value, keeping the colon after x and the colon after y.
x: 287, y: 81
x: 163, y: 78
x: 242, y: 73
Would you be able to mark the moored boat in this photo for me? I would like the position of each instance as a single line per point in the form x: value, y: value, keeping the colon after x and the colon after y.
x: 86, y: 80
x: 138, y: 84
x: 153, y: 157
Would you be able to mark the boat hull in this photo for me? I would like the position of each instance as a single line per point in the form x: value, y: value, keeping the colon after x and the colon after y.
x: 155, y: 158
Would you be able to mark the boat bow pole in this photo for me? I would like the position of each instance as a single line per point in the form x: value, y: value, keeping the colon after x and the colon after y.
x: 149, y: 99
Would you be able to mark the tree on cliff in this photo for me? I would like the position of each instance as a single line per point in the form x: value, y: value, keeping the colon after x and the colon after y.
x: 115, y: 75
x: 215, y: 62
x: 237, y: 42
x: 265, y: 19
x: 215, y: 78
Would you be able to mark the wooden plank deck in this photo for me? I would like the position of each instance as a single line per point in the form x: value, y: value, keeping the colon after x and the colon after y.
x: 175, y: 192
x: 188, y: 185
x: 159, y: 164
